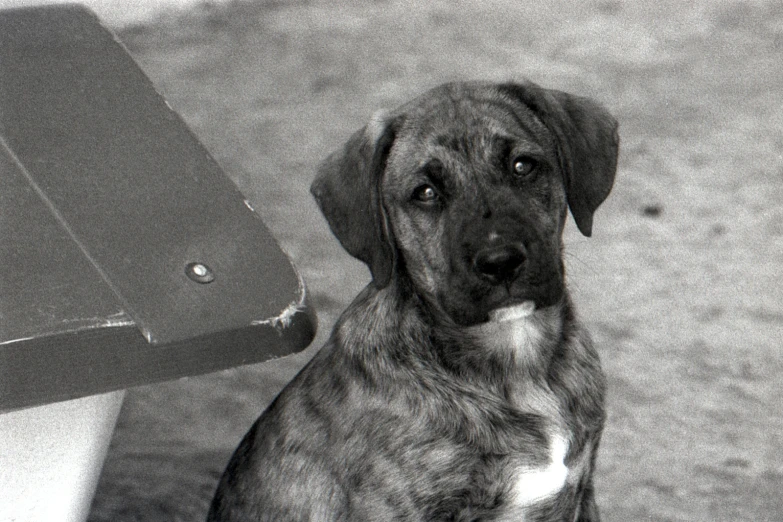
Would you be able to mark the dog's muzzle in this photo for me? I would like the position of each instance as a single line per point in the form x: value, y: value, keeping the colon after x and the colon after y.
x: 500, y: 264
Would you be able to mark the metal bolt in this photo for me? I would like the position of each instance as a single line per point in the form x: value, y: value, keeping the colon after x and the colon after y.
x: 200, y: 273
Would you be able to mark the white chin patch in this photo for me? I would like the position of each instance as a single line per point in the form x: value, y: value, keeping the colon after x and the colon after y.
x: 513, y: 312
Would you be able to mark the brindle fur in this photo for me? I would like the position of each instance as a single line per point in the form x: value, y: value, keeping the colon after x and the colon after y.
x: 418, y: 408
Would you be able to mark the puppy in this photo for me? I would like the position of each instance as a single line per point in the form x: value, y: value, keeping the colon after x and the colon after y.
x: 458, y: 386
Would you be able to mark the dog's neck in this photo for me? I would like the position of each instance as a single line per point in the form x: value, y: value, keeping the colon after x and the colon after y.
x: 512, y: 354
x: 529, y: 367
x: 529, y: 340
x: 494, y: 352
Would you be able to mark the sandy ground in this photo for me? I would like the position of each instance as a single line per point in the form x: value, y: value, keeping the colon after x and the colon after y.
x: 679, y: 283
x: 119, y: 13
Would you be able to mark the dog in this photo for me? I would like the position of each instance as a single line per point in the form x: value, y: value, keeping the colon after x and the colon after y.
x: 459, y: 385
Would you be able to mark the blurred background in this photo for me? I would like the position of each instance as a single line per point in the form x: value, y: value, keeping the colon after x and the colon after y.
x: 117, y: 13
x: 680, y: 283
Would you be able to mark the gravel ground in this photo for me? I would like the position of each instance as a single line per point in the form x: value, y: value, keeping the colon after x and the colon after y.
x: 679, y: 283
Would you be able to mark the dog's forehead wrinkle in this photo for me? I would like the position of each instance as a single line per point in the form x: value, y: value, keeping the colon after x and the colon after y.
x: 473, y: 144
x: 502, y: 115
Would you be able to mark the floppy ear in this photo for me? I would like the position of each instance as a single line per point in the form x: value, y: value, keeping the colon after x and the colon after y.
x: 347, y: 188
x: 587, y: 142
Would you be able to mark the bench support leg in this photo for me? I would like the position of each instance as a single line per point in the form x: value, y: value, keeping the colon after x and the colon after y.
x: 51, y: 457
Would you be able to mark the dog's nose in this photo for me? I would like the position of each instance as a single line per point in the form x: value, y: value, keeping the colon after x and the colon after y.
x: 500, y: 264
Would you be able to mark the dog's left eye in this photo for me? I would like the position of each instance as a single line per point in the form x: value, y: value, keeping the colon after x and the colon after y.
x: 523, y: 166
x: 425, y: 194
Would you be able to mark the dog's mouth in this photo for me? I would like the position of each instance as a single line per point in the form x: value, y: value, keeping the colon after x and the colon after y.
x: 512, y: 311
x: 499, y: 304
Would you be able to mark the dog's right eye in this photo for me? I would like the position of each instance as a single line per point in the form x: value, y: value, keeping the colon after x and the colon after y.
x: 426, y: 194
x: 523, y: 166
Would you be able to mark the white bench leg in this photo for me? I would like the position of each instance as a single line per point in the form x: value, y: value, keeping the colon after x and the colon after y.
x: 51, y: 457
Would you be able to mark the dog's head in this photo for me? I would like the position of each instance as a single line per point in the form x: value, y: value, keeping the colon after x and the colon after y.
x: 465, y: 191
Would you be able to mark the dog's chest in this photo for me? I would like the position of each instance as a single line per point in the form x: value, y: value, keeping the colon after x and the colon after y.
x: 548, y: 486
x: 533, y: 484
x: 552, y: 483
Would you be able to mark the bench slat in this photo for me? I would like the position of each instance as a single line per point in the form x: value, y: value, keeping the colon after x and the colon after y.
x: 106, y: 198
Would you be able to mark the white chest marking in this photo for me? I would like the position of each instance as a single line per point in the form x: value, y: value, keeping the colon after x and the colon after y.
x: 533, y: 485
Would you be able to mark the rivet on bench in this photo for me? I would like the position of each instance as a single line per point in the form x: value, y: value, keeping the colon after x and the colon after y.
x: 200, y: 273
